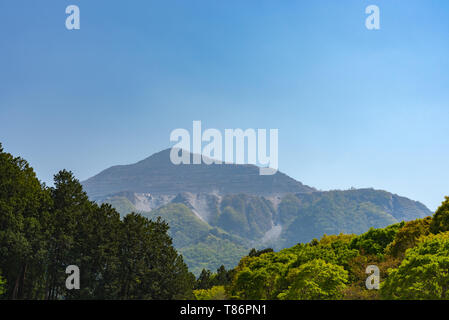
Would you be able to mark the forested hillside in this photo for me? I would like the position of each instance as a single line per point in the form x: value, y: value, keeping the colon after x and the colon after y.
x: 413, y: 259
x: 235, y: 223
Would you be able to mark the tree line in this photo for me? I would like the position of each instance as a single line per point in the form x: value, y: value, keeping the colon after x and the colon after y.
x: 45, y: 229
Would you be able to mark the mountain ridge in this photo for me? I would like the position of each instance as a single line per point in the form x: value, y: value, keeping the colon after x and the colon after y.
x: 156, y: 174
x: 217, y: 213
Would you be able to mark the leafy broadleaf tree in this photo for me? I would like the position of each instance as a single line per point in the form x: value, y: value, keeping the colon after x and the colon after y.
x: 440, y: 221
x: 423, y: 274
x: 408, y: 236
x: 375, y: 241
x: 261, y: 277
x: 97, y: 253
x: 2, y: 285
x: 314, y: 280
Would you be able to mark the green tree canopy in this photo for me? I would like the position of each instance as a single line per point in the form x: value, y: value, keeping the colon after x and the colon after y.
x: 24, y: 216
x: 440, y: 221
x: 204, y: 280
x: 261, y: 277
x: 376, y: 240
x: 408, y: 235
x: 423, y: 274
x: 316, y: 279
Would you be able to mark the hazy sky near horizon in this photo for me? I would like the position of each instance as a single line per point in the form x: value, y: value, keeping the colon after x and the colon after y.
x: 354, y: 107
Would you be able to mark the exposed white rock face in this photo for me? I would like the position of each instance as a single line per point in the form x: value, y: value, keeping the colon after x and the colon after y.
x: 148, y: 202
x: 204, y: 205
x: 272, y: 235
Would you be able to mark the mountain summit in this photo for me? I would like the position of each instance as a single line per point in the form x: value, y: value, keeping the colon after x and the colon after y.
x: 157, y: 175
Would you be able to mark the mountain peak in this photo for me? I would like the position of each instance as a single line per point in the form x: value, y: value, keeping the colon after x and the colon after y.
x: 158, y: 175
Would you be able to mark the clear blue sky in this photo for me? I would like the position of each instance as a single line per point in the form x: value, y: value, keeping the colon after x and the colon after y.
x: 354, y: 108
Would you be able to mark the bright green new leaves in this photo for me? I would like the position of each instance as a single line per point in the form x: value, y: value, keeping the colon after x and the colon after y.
x: 315, y: 280
x: 214, y: 293
x: 376, y: 240
x: 311, y: 271
x: 423, y: 274
x: 261, y: 277
x: 440, y: 221
x: 408, y: 236
x: 2, y: 285
x: 149, y: 265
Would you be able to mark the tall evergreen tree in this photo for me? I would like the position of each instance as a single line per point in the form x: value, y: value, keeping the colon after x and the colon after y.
x: 70, y: 206
x: 150, y: 266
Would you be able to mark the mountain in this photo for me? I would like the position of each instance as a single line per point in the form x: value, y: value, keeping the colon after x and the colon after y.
x: 217, y: 213
x: 308, y: 216
x: 157, y: 175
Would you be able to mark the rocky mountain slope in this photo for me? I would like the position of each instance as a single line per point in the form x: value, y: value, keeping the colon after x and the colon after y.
x: 217, y: 213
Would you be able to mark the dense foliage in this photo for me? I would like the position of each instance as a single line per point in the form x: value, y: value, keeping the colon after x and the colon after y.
x: 237, y: 222
x: 413, y: 259
x: 424, y: 273
x: 43, y: 230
